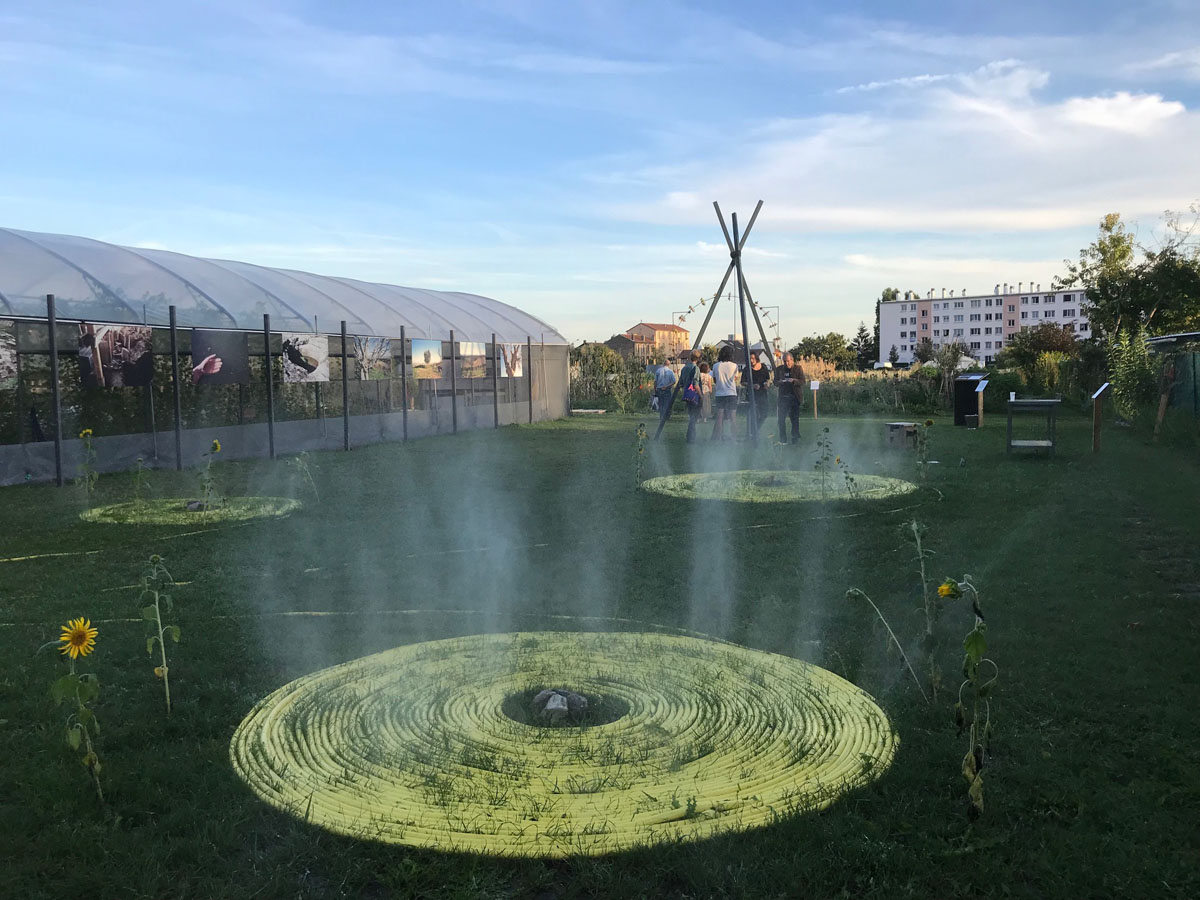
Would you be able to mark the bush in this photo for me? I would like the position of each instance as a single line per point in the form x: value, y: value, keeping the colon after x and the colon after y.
x: 1133, y: 372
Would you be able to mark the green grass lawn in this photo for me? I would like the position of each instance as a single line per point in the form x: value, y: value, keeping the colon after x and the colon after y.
x: 1087, y: 566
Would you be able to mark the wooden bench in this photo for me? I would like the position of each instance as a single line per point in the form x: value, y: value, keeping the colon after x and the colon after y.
x: 1047, y: 407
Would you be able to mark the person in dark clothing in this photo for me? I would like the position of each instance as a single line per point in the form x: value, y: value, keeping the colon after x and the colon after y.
x: 790, y: 380
x: 757, y: 378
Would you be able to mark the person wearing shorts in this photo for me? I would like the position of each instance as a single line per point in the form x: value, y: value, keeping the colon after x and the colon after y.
x: 725, y: 394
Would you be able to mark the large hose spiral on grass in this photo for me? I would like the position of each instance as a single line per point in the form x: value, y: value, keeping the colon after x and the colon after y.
x: 174, y: 511
x: 412, y: 745
x: 763, y: 486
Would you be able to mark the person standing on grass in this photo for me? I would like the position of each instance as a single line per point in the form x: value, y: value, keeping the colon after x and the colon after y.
x: 756, y: 379
x: 725, y: 392
x: 664, y: 384
x: 789, y: 380
x: 706, y: 393
x: 690, y: 376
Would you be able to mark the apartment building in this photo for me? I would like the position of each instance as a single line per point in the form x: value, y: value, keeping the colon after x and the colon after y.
x: 983, y: 323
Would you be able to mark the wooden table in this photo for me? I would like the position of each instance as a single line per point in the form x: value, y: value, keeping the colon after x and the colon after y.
x: 904, y: 433
x: 1050, y: 409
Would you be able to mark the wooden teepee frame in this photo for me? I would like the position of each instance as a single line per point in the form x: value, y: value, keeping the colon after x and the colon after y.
x: 736, y: 244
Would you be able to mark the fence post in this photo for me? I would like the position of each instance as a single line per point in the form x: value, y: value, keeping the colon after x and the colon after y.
x: 495, y: 382
x: 55, y: 398
x: 453, y: 388
x: 403, y: 385
x: 345, y: 392
x: 270, y: 385
x: 529, y: 369
x: 175, y: 392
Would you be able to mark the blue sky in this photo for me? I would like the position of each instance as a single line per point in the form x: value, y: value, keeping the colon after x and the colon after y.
x: 564, y: 156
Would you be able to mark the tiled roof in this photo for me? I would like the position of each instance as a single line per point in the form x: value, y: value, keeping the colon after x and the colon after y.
x: 658, y: 327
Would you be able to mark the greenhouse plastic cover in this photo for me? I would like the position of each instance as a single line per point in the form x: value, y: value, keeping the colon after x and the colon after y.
x: 100, y: 282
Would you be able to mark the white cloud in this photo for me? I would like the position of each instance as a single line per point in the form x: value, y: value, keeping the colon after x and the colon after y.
x: 1183, y: 62
x: 1132, y: 113
x: 910, y: 81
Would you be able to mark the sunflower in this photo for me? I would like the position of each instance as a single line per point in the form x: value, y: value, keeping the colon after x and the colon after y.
x: 86, y: 433
x: 929, y: 423
x: 949, y: 589
x: 78, y: 638
x: 838, y: 461
x: 216, y: 446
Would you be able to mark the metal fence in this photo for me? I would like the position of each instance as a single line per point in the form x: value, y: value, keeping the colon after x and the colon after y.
x: 373, y: 394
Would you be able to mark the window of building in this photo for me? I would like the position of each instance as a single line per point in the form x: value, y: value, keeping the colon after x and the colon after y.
x: 924, y: 313
x: 1067, y: 298
x: 999, y: 344
x: 1068, y: 313
x: 1024, y: 301
x: 937, y: 318
x: 958, y: 332
x: 1049, y: 314
x: 1033, y: 300
x: 974, y: 304
x: 958, y: 318
x: 1035, y: 314
x: 1012, y: 323
x: 1024, y: 315
x: 989, y: 301
x: 1012, y: 307
x: 1069, y: 326
x: 904, y: 348
x: 1083, y: 326
x: 987, y: 331
x: 924, y: 326
x: 974, y: 331
x: 988, y: 344
x: 958, y: 304
x: 974, y: 345
x: 974, y: 317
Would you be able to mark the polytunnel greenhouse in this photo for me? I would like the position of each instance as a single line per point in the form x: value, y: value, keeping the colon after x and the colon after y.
x: 158, y: 353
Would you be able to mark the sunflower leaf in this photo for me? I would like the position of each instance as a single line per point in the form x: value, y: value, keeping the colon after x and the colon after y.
x: 63, y: 688
x: 149, y: 613
x: 174, y: 632
x: 89, y: 688
x: 73, y: 738
x: 150, y: 644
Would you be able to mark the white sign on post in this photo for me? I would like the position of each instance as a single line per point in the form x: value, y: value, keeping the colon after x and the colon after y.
x: 814, y: 385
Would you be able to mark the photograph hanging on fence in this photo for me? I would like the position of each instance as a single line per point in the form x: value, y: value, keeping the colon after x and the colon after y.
x: 472, y: 357
x: 305, y: 358
x: 8, y: 355
x: 372, y: 359
x: 427, y: 359
x: 510, y: 357
x: 219, y: 357
x: 115, y: 355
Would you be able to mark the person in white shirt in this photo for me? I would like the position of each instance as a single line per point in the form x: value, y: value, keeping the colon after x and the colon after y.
x: 725, y: 394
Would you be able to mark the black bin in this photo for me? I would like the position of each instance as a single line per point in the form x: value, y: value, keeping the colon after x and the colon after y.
x: 968, y: 396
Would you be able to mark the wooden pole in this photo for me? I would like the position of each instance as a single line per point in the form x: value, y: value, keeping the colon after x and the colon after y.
x: 814, y: 393
x: 345, y: 392
x: 1097, y: 415
x: 752, y: 417
x: 175, y: 391
x: 55, y: 398
x: 270, y: 385
x: 529, y: 369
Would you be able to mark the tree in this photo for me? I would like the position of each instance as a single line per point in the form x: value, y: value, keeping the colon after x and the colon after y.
x: 831, y: 347
x: 865, y: 349
x: 596, y: 359
x: 1160, y: 293
x: 924, y: 351
x: 708, y: 354
x: 893, y: 355
x: 1024, y: 347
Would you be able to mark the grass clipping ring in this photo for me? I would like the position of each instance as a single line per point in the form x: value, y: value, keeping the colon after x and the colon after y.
x: 412, y: 745
x: 174, y: 511
x: 764, y: 486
